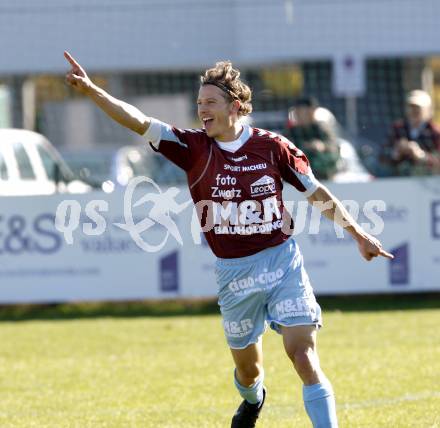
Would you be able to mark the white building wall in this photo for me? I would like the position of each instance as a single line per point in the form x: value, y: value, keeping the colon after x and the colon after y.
x: 135, y: 34
x: 325, y: 28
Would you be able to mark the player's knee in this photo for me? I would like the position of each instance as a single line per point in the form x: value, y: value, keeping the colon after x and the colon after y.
x: 248, y: 373
x: 305, y: 361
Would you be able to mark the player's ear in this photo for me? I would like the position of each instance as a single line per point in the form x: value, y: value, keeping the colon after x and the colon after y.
x: 235, y: 106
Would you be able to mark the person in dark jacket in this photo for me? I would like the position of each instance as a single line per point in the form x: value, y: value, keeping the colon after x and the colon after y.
x: 413, y: 146
x: 317, y: 142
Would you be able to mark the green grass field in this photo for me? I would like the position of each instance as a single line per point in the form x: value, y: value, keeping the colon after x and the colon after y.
x: 95, y: 366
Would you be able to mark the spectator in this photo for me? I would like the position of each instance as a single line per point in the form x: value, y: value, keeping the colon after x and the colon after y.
x: 413, y: 146
x: 313, y: 138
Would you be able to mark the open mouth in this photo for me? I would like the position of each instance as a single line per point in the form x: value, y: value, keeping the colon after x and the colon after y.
x: 207, y: 122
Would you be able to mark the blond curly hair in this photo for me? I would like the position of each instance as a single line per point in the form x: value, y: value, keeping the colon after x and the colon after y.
x: 227, y: 78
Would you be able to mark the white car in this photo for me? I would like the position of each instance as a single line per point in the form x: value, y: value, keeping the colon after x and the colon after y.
x: 30, y: 165
x: 107, y: 169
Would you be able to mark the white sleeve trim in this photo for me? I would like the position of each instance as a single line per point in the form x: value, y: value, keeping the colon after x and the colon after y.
x: 308, y: 180
x: 311, y: 190
x: 154, y: 132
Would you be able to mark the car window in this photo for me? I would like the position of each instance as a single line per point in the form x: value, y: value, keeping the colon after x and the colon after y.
x: 3, y: 168
x: 23, y: 162
x: 49, y: 162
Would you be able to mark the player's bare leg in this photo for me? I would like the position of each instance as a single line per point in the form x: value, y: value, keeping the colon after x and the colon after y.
x: 249, y: 377
x: 248, y: 363
x: 319, y: 401
x: 300, y: 345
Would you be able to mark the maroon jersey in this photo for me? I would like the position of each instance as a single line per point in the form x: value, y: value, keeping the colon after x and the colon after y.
x: 238, y: 195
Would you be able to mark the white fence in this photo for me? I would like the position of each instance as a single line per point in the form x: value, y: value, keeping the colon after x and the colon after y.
x: 38, y: 265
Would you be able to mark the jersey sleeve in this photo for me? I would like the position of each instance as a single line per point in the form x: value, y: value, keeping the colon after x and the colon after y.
x: 295, y: 167
x: 175, y: 144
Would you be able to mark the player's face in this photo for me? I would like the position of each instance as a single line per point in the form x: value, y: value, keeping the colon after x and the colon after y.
x: 216, y: 113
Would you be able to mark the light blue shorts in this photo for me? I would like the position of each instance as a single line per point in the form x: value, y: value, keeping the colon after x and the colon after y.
x: 272, y: 287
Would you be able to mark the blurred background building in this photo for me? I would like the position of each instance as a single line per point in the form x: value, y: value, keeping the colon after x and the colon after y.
x: 359, y: 59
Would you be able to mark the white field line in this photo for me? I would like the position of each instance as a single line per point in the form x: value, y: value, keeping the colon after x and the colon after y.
x: 390, y: 401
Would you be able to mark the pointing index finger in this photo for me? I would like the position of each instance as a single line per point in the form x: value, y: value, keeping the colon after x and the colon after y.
x: 386, y: 254
x: 71, y: 59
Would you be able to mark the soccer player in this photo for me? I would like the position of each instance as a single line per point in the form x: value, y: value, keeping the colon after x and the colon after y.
x: 235, y: 175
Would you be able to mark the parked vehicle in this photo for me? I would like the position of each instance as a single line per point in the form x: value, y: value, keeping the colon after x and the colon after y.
x: 109, y: 168
x: 30, y: 165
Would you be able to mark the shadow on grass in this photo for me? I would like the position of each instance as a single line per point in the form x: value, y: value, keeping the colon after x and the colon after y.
x: 170, y: 308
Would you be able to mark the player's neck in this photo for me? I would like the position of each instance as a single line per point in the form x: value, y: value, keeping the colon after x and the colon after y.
x: 231, y: 134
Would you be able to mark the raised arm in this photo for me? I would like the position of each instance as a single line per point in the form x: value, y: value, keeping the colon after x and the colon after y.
x: 332, y: 208
x: 120, y: 111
